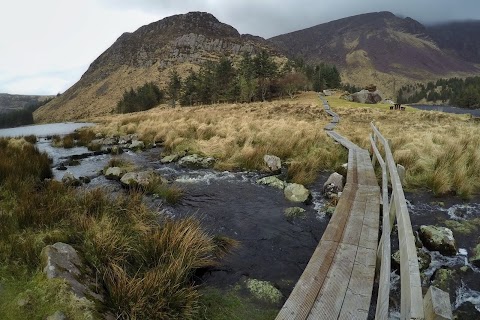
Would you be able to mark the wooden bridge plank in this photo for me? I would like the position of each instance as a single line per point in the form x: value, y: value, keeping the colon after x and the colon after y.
x: 330, y: 300
x: 359, y: 291
x: 303, y: 296
x: 336, y: 226
x: 371, y: 225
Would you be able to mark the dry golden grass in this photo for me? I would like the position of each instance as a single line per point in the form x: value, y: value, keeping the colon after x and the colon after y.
x: 440, y: 151
x: 239, y: 135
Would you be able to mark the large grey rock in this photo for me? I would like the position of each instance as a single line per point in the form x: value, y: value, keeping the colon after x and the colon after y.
x: 114, y: 173
x: 194, y: 161
x: 272, y: 181
x: 140, y: 179
x: 365, y: 96
x: 297, y: 193
x: 333, y: 185
x: 273, y: 163
x: 438, y: 239
x: 62, y: 261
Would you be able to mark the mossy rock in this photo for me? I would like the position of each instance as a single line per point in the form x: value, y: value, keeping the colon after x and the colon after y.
x: 438, y: 239
x: 295, y: 212
x: 272, y: 181
x: 475, y: 259
x: 264, y: 290
x: 443, y: 279
x: 464, y: 227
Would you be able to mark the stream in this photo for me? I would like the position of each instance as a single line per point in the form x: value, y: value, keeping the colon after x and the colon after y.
x: 273, y: 247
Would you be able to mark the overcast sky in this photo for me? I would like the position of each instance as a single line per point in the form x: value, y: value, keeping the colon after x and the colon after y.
x: 46, y: 45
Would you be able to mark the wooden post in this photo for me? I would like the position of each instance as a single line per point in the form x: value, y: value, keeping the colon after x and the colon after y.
x: 436, y: 305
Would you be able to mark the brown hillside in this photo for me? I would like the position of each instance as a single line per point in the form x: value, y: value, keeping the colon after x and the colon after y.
x: 461, y: 38
x: 374, y: 48
x: 182, y: 41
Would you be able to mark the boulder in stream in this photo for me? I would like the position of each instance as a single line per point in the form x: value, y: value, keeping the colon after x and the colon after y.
x: 272, y: 181
x: 136, y: 145
x: 297, y: 193
x: 273, y: 163
x: 294, y: 212
x: 140, y: 179
x: 114, y: 173
x: 194, y: 161
x: 438, y: 239
x: 333, y: 185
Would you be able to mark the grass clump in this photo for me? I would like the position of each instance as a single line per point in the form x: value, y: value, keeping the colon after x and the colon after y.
x: 172, y: 194
x: 145, y: 264
x: 231, y: 305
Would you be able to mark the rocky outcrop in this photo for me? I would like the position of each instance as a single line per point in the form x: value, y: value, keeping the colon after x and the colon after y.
x: 195, y: 161
x: 62, y: 261
x: 297, y: 193
x: 365, y: 96
x: 272, y: 181
x: 438, y: 239
x: 273, y: 163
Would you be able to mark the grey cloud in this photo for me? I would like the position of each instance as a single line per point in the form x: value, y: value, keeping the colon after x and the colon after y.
x: 269, y: 18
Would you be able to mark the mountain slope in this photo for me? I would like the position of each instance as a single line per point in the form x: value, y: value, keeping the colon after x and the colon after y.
x: 148, y: 54
x: 374, y: 48
x: 460, y: 38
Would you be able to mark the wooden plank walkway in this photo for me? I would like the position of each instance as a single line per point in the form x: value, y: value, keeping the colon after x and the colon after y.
x: 337, y: 283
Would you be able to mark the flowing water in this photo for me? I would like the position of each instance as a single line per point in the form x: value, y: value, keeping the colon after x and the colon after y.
x: 273, y: 247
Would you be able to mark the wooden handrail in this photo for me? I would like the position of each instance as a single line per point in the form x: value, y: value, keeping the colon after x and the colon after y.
x: 411, y: 290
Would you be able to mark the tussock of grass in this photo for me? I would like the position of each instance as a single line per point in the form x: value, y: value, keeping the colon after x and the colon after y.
x: 146, y: 266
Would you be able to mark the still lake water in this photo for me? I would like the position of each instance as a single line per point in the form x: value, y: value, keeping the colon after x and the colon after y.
x: 43, y: 130
x: 448, y: 109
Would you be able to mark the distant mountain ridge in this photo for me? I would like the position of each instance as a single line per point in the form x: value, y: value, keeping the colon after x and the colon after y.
x: 378, y: 48
x: 12, y: 102
x: 181, y: 41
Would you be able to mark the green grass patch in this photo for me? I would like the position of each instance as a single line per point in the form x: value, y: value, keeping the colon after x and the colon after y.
x: 232, y: 305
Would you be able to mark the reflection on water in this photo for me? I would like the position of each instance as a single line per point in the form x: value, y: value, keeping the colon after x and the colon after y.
x: 43, y: 130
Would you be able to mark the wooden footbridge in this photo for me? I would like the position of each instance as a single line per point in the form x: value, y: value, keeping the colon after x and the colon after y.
x: 338, y: 281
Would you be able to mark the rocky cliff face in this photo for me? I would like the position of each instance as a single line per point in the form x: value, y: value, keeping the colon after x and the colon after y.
x: 148, y: 54
x: 375, y: 48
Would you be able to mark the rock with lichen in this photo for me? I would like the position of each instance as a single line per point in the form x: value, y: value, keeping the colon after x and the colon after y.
x: 438, y: 239
x: 264, y: 290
